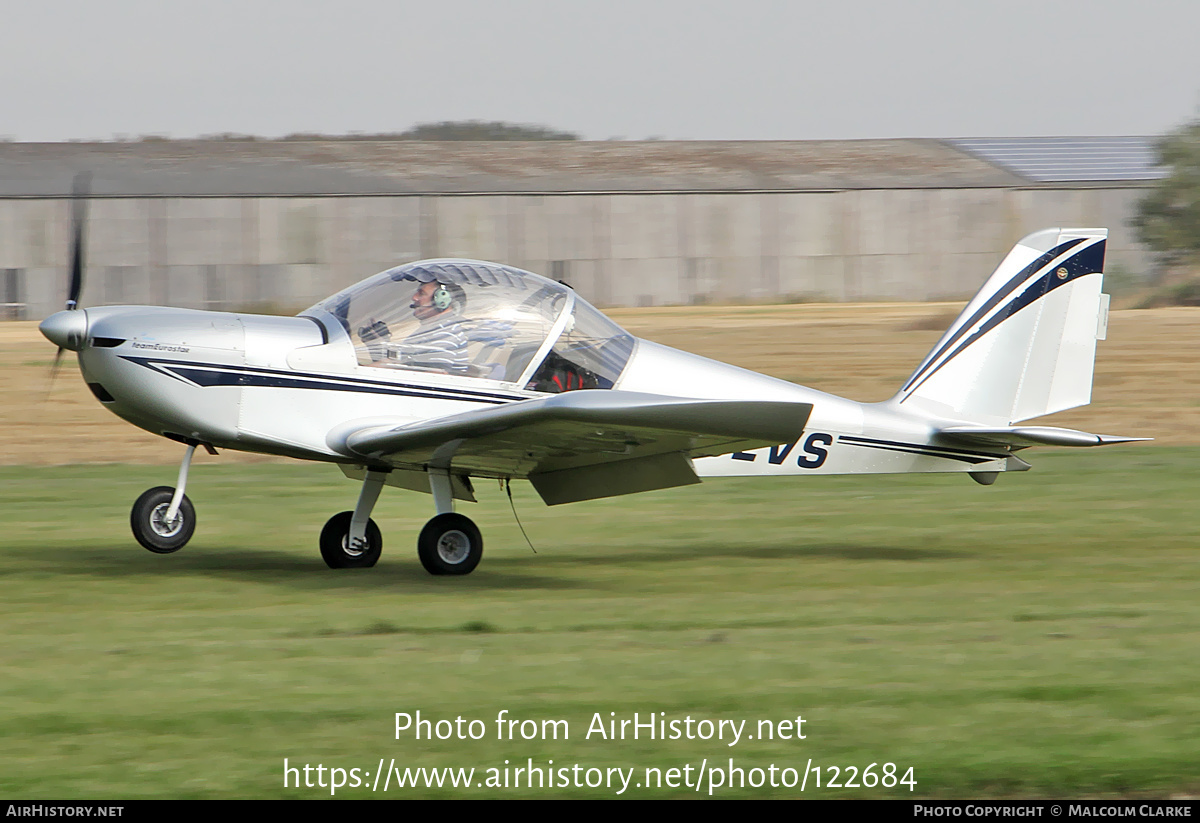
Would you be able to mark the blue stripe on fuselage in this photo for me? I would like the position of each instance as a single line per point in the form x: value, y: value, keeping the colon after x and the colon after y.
x: 215, y: 374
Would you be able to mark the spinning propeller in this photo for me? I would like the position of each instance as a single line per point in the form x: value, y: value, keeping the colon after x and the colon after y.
x: 79, y: 192
x: 65, y: 328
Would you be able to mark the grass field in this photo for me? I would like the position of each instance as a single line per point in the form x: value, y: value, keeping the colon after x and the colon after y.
x: 1034, y: 638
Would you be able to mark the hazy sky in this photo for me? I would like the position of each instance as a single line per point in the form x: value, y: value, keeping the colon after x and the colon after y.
x: 752, y: 69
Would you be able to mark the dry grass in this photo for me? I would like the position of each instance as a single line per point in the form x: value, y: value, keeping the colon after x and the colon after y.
x: 1147, y: 380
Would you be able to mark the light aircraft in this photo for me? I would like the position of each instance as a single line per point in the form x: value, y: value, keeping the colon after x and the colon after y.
x: 436, y: 373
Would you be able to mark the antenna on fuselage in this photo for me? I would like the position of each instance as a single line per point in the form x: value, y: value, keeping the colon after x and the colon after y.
x: 507, y: 483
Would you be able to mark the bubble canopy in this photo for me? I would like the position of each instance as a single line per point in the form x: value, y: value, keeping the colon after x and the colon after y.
x: 480, y: 320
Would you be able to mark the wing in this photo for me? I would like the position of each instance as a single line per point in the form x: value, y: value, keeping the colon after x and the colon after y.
x: 584, y: 444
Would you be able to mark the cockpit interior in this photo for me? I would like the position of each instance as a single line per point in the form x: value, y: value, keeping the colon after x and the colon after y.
x: 480, y: 320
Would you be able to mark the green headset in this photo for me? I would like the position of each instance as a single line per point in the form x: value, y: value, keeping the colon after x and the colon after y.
x: 442, y: 298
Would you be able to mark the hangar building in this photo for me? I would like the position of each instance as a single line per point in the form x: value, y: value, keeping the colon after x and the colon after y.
x: 278, y: 225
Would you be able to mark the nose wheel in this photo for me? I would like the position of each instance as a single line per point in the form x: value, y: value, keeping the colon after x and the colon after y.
x: 156, y: 527
x: 450, y: 544
x: 163, y: 518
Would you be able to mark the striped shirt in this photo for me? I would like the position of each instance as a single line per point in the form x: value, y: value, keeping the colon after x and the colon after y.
x: 440, y: 345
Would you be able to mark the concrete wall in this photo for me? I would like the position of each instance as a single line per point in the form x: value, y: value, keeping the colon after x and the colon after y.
x: 285, y: 253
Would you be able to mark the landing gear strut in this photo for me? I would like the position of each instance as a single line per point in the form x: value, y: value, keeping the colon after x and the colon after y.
x: 163, y: 519
x: 449, y: 544
x: 351, y: 540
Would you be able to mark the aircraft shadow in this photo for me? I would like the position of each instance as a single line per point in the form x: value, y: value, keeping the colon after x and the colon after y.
x: 506, y: 573
x: 687, y: 554
x: 258, y: 566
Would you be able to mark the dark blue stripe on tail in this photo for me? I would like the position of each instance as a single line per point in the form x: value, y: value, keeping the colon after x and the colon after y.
x: 1087, y: 261
x: 991, y: 303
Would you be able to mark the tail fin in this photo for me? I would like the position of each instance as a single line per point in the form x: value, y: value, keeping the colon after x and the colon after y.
x: 1026, y: 343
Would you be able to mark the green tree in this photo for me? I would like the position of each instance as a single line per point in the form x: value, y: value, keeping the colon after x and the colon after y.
x: 480, y: 130
x: 446, y: 130
x: 1168, y: 219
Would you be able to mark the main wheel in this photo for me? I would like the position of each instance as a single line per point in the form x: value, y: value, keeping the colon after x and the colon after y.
x: 148, y: 519
x: 450, y: 544
x: 337, y: 551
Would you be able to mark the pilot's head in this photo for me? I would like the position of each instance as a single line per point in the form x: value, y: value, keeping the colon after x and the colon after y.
x: 433, y: 298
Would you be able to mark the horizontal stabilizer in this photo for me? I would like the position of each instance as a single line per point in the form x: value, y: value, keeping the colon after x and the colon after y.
x: 1020, y: 437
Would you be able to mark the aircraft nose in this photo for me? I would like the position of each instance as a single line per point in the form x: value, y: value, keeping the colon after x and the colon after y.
x: 66, y: 329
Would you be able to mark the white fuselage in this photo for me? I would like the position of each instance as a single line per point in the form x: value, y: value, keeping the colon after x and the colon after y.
x: 293, y: 386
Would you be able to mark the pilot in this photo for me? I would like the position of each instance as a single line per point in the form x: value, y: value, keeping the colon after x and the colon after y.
x: 440, y: 342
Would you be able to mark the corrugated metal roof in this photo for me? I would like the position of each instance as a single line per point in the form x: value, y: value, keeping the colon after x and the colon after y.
x: 1069, y: 159
x: 294, y: 168
x: 184, y: 168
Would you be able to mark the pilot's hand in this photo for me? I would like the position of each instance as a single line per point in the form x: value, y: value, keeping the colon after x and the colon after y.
x: 375, y: 330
